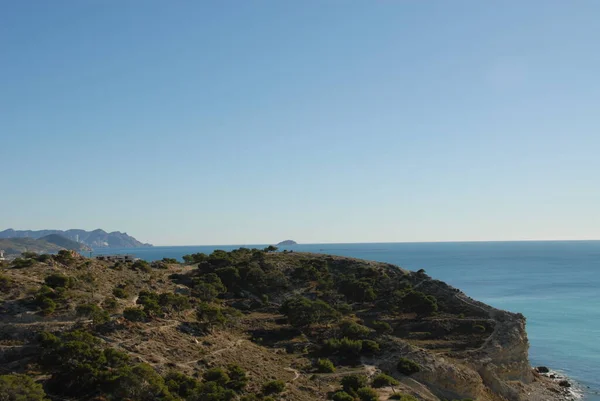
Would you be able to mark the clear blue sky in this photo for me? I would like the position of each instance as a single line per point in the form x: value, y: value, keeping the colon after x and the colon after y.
x: 191, y: 122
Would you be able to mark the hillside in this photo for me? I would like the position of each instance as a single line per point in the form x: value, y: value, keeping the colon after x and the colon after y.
x: 49, y: 244
x: 94, y: 239
x: 65, y: 243
x: 255, y: 325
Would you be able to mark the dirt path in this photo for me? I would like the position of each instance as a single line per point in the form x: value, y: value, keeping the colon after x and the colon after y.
x: 295, y: 372
x: 235, y: 344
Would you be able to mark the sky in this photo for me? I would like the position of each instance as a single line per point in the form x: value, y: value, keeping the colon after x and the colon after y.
x: 245, y: 122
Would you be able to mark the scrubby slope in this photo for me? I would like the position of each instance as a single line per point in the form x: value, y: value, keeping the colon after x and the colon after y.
x: 302, y: 321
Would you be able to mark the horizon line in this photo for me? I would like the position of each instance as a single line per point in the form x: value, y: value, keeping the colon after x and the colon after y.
x: 395, y: 242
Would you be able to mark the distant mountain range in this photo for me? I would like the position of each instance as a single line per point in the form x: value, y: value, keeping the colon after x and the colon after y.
x: 93, y: 239
x: 49, y: 244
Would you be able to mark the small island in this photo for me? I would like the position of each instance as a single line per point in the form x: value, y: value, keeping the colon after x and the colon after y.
x: 287, y: 242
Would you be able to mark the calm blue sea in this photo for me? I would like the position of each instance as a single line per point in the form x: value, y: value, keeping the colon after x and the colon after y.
x: 555, y: 284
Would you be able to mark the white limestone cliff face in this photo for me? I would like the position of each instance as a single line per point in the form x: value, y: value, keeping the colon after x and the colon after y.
x: 498, y: 370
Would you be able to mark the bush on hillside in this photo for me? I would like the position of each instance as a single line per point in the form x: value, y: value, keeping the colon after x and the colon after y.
x: 47, y: 305
x: 120, y: 292
x: 351, y: 383
x: 273, y: 387
x: 325, y: 366
x: 367, y: 394
x: 93, y: 312
x: 20, y: 263
x: 59, y: 280
x: 342, y: 396
x: 135, y: 315
x: 210, y: 314
x: 383, y: 380
x: 110, y: 304
x: 354, y: 330
x: 370, y: 347
x: 407, y: 367
x: 17, y: 387
x: 180, y: 384
x: 382, y: 327
x: 302, y: 312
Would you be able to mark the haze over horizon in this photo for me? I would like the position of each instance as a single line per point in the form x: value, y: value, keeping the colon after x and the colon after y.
x: 321, y: 122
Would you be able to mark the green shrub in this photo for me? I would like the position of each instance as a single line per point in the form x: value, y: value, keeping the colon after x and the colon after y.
x: 273, y: 387
x: 134, y: 315
x: 120, y: 292
x: 342, y: 396
x: 59, y: 280
x: 180, y: 384
x: 407, y: 367
x: 16, y: 387
x: 5, y: 283
x: 210, y: 314
x: 382, y: 327
x: 349, y: 348
x: 302, y: 312
x: 354, y: 330
x: 343, y: 308
x: 209, y: 391
x: 217, y: 375
x: 44, y: 258
x: 237, y: 378
x: 352, y: 383
x: 139, y: 382
x: 325, y: 366
x: 141, y: 265
x: 383, y: 380
x: 370, y: 347
x: 176, y: 302
x: 417, y: 302
x: 367, y: 394
x: 149, y: 300
x: 357, y: 290
x: 20, y: 263
x: 110, y: 304
x: 93, y: 312
x: 47, y: 305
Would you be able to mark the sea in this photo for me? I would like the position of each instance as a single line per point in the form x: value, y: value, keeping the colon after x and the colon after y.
x: 555, y: 284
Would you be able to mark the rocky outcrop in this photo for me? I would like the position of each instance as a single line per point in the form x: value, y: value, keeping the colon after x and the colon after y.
x: 497, y: 370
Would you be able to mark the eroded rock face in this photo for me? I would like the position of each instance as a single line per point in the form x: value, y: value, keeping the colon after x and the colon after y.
x: 499, y: 369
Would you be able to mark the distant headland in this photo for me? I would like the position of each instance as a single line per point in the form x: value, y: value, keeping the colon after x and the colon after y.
x: 94, y: 239
x: 287, y: 242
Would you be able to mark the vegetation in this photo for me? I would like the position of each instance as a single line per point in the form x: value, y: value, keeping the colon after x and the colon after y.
x: 325, y: 366
x: 15, y: 387
x: 342, y: 396
x: 330, y: 310
x: 94, y: 312
x: 59, y: 280
x: 367, y: 394
x: 352, y: 383
x: 383, y: 380
x: 302, y: 312
x: 135, y: 314
x: 407, y: 367
x: 273, y: 387
x: 382, y: 327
